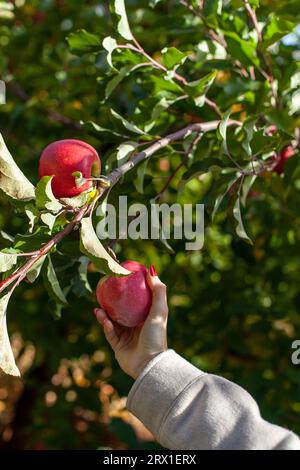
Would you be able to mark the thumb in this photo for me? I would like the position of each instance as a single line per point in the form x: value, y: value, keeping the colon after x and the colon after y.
x: 159, y: 305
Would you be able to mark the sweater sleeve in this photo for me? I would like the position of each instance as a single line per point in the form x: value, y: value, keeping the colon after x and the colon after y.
x: 187, y: 409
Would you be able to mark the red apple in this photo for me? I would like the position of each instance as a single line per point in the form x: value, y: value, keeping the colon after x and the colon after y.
x: 126, y: 300
x: 284, y: 155
x: 65, y: 157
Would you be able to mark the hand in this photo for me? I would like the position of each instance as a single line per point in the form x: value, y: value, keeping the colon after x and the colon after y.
x: 135, y: 347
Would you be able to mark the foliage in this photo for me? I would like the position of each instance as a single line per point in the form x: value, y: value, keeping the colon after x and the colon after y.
x: 120, y: 77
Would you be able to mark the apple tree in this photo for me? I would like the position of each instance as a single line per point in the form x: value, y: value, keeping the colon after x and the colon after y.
x: 189, y: 101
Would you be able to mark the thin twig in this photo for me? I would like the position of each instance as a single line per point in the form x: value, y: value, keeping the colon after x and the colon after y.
x: 181, y: 164
x: 252, y: 16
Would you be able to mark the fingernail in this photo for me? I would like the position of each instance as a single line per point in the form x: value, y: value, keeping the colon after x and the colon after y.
x: 152, y: 271
x: 95, y: 311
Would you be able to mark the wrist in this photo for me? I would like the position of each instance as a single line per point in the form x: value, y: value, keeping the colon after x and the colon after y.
x: 143, y: 364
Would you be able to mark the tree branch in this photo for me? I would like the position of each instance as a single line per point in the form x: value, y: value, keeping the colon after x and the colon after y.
x: 112, y: 178
x: 202, y: 128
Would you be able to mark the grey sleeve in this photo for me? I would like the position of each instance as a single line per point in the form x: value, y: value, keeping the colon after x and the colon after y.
x: 187, y: 409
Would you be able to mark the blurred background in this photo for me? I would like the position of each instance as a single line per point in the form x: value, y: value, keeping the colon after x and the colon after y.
x: 234, y: 308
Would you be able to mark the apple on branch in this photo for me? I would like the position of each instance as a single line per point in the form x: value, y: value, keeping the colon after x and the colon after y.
x: 64, y: 159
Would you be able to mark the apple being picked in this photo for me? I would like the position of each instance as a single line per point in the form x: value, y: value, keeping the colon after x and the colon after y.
x: 126, y: 300
x: 64, y: 158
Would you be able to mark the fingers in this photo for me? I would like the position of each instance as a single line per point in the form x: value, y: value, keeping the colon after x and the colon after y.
x: 100, y: 315
x: 159, y: 305
x: 108, y: 327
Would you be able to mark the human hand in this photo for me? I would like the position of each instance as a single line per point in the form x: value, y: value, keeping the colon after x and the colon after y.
x: 135, y: 347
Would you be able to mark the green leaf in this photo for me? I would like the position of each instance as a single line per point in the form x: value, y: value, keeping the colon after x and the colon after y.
x: 77, y: 201
x: 34, y: 272
x: 262, y: 143
x: 162, y: 237
x: 82, y: 42
x: 7, y: 360
x: 124, y: 151
x: 123, y: 25
x: 124, y: 72
x: 198, y: 88
x: 45, y: 198
x: 222, y: 193
x: 109, y: 44
x: 82, y: 269
x: 130, y: 126
x: 295, y: 103
x: 80, y: 284
x: 160, y: 106
x: 249, y: 129
x: 7, y: 261
x: 52, y: 284
x: 79, y: 179
x: 101, y: 130
x: 114, y: 82
x: 5, y: 237
x: 13, y: 182
x: 249, y: 180
x: 48, y: 219
x: 240, y: 49
x: 254, y: 3
x: 222, y: 132
x: 198, y: 168
x: 275, y: 29
x: 211, y: 9
x: 31, y: 242
x: 139, y: 181
x: 32, y: 213
x: 239, y: 228
x: 172, y: 56
x: 165, y: 88
x: 282, y: 120
x: 91, y: 246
